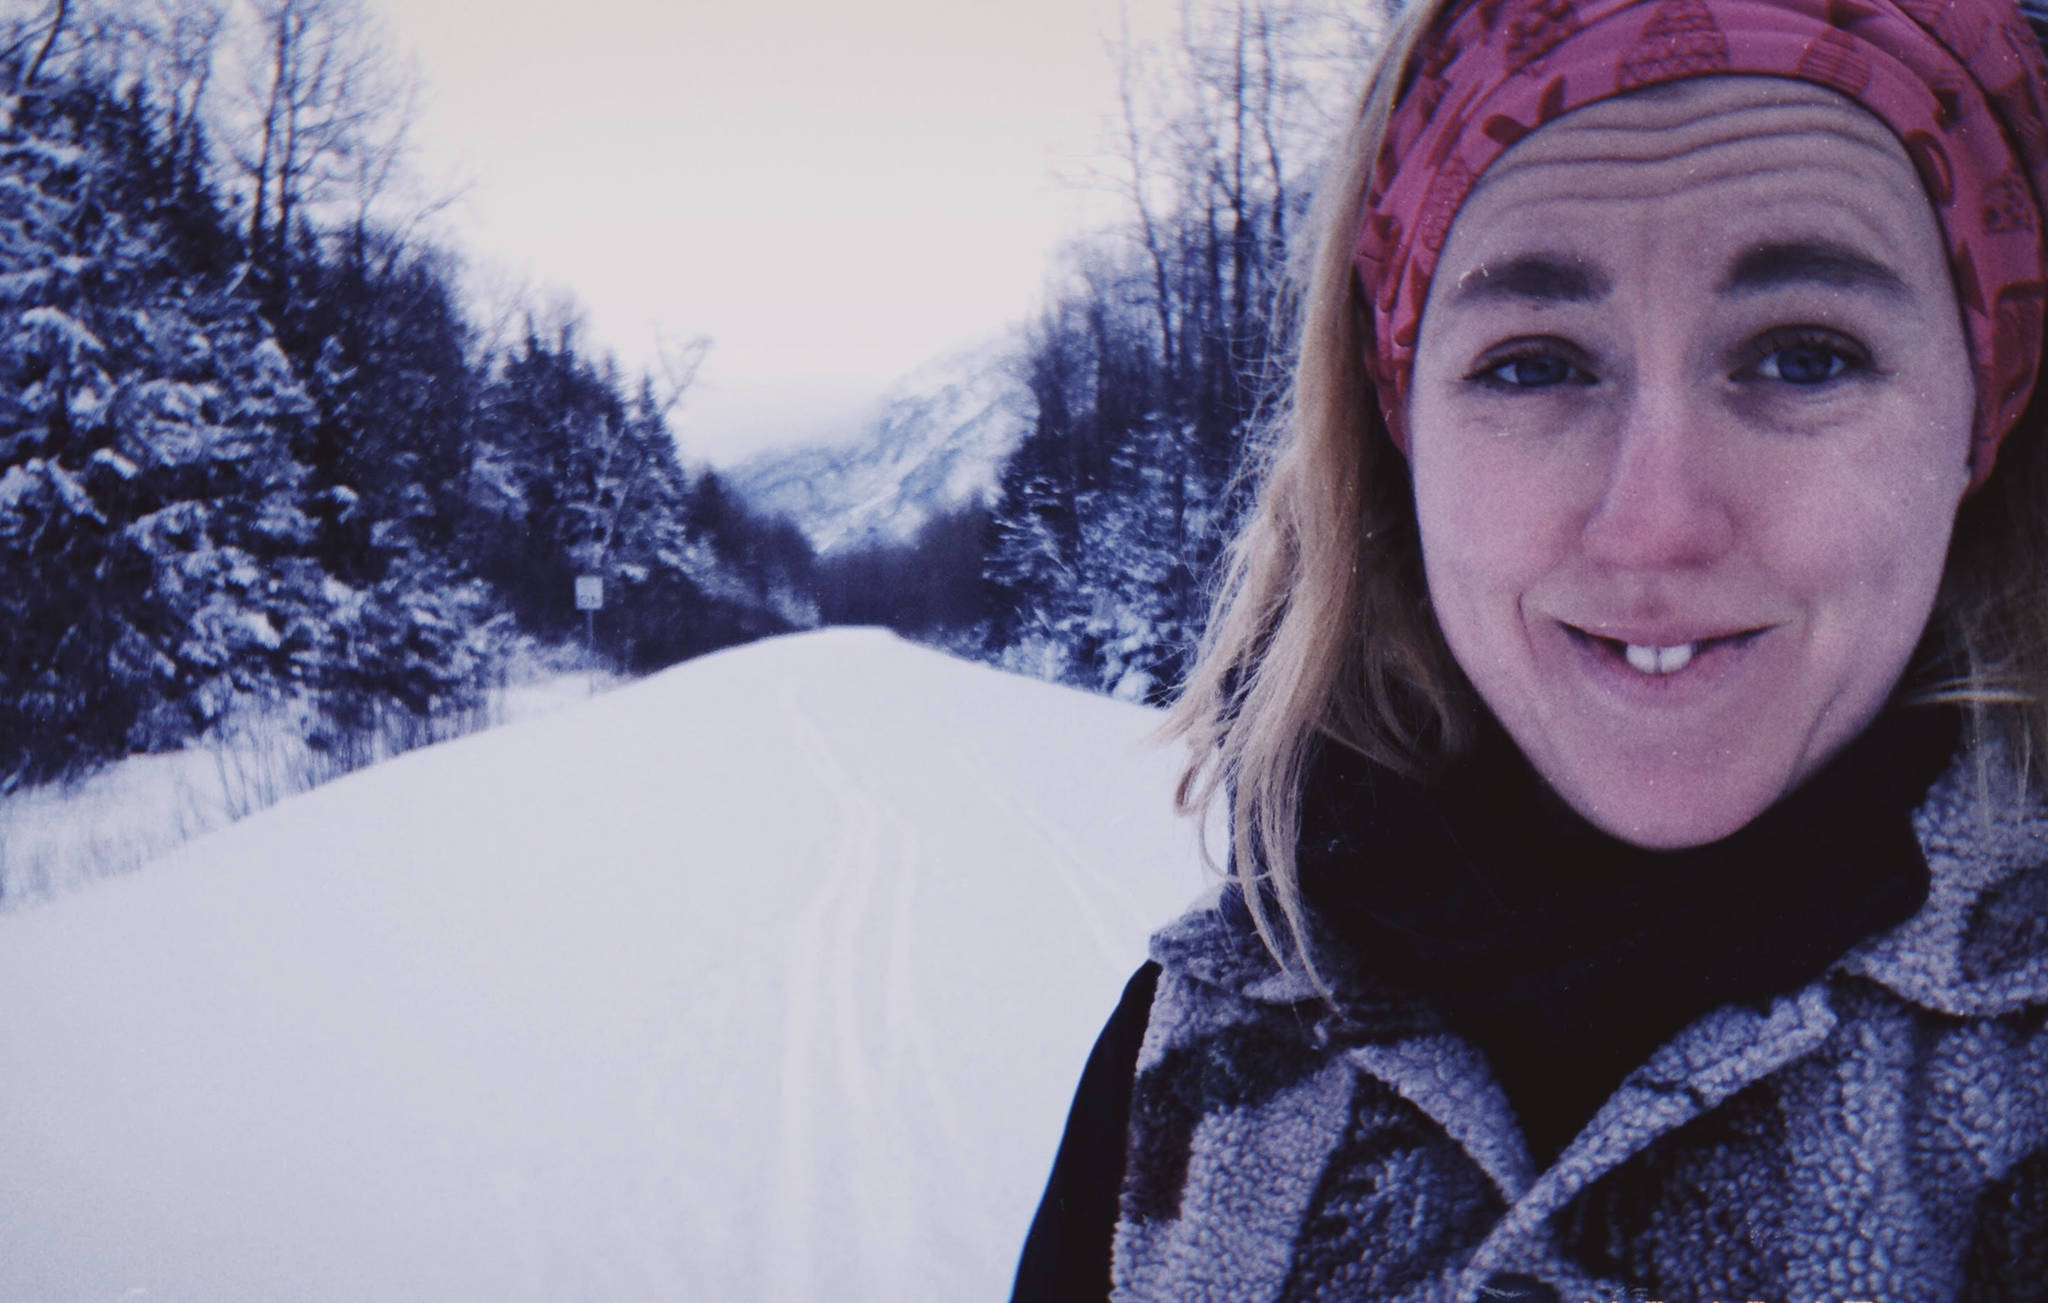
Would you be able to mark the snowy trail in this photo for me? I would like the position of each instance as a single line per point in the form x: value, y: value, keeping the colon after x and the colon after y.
x: 1090, y: 892
x: 767, y: 978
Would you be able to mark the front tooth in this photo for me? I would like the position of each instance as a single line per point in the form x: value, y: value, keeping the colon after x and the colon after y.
x: 1660, y: 660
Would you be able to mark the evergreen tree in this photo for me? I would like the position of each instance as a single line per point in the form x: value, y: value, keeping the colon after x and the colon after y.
x: 384, y: 349
x: 154, y: 534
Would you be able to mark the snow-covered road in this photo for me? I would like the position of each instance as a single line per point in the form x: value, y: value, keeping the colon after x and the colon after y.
x: 767, y: 978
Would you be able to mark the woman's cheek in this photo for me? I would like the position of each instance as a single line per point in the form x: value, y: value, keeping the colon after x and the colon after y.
x: 1490, y: 530
x: 1503, y: 495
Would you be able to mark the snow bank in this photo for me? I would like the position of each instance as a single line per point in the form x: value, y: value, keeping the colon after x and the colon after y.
x: 66, y: 835
x: 767, y: 978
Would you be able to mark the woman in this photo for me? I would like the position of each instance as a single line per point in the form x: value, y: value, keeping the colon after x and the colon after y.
x: 1624, y: 697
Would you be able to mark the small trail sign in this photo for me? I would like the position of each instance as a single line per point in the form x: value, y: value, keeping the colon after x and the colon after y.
x: 590, y: 592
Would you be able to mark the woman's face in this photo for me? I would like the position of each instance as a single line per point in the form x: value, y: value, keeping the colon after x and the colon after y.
x: 1689, y: 425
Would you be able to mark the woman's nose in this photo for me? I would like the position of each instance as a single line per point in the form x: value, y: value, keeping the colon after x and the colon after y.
x: 1664, y: 501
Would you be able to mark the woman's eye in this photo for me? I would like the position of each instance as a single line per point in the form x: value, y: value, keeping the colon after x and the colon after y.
x: 1807, y: 360
x: 1531, y: 371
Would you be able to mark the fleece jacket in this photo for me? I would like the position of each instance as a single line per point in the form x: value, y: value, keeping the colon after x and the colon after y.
x: 1880, y: 1135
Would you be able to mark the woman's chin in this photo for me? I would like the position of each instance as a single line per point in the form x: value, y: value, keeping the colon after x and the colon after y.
x: 1666, y: 811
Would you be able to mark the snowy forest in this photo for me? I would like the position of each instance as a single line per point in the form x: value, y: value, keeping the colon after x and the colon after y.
x: 253, y: 444
x: 260, y: 444
x: 1148, y: 372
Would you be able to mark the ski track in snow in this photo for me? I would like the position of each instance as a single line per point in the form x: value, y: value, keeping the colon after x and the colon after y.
x: 832, y: 1082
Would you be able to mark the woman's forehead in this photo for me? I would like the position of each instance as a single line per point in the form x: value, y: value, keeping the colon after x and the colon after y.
x: 1733, y: 160
x: 1703, y: 113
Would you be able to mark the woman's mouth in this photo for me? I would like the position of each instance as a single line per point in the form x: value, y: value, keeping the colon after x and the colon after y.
x: 1659, y: 659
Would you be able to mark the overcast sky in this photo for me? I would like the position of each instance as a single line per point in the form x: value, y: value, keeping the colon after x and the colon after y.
x: 834, y: 192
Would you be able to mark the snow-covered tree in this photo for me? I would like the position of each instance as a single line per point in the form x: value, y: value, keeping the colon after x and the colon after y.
x: 1163, y: 339
x: 154, y: 533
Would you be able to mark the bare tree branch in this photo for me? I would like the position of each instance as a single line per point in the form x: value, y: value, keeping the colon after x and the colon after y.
x: 676, y: 363
x: 34, y: 68
x: 326, y: 115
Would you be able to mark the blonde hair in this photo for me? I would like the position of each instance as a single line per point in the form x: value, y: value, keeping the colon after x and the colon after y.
x: 1321, y: 630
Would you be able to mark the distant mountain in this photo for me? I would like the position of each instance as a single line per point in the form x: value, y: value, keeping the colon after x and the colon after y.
x: 937, y: 443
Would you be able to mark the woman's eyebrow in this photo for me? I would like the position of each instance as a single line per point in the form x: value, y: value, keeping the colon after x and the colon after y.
x: 1810, y: 262
x: 1534, y: 278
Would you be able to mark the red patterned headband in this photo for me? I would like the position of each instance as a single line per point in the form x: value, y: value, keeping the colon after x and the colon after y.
x: 1959, y: 82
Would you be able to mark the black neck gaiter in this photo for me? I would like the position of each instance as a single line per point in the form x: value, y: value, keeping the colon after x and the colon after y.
x: 1568, y: 956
